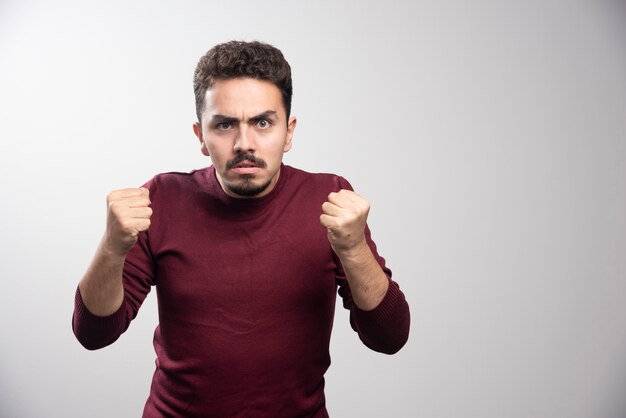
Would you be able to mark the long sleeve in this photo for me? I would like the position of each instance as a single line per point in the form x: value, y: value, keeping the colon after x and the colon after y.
x: 95, y: 332
x: 384, y: 329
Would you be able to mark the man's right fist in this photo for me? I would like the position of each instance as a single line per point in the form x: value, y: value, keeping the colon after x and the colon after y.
x: 128, y: 214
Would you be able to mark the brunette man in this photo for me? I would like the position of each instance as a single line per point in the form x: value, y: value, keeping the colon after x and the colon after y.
x: 246, y: 257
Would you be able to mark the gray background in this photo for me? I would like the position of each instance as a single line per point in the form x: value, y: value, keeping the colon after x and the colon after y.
x: 489, y: 136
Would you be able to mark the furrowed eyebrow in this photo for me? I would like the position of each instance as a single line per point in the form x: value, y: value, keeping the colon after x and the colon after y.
x: 268, y: 114
x: 217, y: 119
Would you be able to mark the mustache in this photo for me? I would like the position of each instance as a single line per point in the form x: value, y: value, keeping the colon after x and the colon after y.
x: 245, y: 156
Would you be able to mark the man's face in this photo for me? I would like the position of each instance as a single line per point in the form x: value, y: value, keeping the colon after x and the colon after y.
x: 245, y: 132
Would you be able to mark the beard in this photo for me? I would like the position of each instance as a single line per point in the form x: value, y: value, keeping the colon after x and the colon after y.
x: 246, y: 187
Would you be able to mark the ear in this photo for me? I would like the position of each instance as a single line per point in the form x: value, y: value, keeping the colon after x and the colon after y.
x: 291, y: 127
x: 197, y: 129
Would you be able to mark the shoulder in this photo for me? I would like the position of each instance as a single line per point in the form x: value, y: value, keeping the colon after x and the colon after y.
x: 174, y: 181
x: 325, y: 181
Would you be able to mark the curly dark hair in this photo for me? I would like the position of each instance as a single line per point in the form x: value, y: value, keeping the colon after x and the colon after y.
x: 236, y: 59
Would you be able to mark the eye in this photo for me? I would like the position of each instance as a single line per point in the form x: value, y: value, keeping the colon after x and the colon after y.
x: 223, y: 126
x: 264, y: 124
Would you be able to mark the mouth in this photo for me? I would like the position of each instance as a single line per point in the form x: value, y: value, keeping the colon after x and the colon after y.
x: 246, y: 164
x: 245, y: 167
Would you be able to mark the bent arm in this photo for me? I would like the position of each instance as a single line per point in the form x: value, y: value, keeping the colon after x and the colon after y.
x: 384, y: 327
x: 368, y: 283
x: 101, y: 287
x: 378, y: 310
x: 128, y: 214
x: 98, y: 318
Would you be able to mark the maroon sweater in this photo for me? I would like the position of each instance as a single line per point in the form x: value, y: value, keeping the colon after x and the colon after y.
x: 246, y: 293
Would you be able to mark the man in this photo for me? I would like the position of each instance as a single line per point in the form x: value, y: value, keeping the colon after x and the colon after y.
x: 246, y: 256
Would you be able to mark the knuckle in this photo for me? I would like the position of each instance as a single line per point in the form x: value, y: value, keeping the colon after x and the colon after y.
x: 116, y: 209
x: 113, y: 209
x: 123, y: 224
x: 340, y: 223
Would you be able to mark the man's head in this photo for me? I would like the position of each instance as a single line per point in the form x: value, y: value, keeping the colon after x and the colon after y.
x: 237, y: 59
x: 243, y: 99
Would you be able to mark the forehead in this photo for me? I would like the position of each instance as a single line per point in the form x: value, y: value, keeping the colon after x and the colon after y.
x: 243, y: 96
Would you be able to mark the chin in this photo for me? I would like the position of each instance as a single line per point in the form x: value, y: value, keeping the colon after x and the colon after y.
x: 247, y: 187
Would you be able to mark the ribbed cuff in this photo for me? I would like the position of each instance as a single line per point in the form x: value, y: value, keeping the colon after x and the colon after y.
x: 386, y: 307
x: 94, y: 331
x: 386, y: 327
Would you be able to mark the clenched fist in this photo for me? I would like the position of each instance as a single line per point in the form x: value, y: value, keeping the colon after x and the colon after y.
x: 344, y: 216
x: 128, y: 214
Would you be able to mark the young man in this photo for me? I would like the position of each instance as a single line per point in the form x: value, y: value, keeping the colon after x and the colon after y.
x: 246, y: 257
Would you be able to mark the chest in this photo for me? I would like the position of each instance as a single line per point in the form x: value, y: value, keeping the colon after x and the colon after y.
x: 277, y: 261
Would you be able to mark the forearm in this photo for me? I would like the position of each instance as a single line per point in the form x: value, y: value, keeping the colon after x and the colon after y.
x: 101, y: 287
x: 368, y: 283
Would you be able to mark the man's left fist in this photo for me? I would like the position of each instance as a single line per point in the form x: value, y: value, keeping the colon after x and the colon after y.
x: 344, y: 216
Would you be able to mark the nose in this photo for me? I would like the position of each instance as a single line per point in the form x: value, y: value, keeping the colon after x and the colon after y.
x: 245, y: 140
